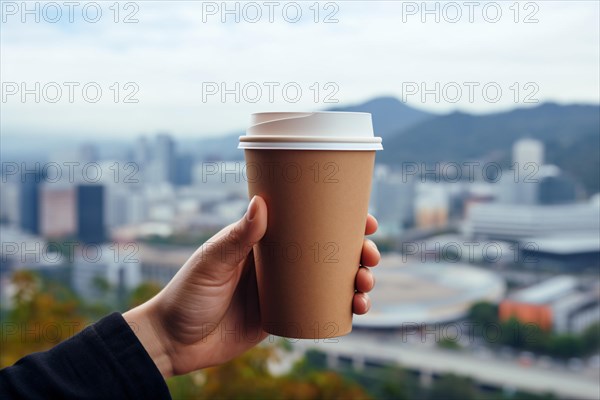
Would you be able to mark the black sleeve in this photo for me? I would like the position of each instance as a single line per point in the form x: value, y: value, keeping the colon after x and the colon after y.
x: 104, y: 361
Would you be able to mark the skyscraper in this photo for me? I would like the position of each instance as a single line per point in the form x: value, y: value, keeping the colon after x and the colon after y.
x: 393, y: 199
x: 183, y: 170
x: 58, y: 211
x: 164, y: 158
x: 528, y: 151
x: 528, y: 158
x: 29, y: 213
x: 90, y: 213
x: 556, y: 187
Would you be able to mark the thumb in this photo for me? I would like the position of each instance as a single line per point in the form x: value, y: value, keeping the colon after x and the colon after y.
x: 233, y: 244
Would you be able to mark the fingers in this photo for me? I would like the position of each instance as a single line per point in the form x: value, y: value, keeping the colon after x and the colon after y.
x: 229, y: 247
x: 370, y: 256
x: 372, y: 224
x: 365, y: 281
x: 361, y: 303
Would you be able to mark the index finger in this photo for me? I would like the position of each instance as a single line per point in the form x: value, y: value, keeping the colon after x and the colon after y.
x: 371, y: 225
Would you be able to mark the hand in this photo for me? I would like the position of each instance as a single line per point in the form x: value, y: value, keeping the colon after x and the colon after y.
x: 209, y: 314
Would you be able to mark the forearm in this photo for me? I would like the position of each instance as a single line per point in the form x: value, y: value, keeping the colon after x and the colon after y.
x: 105, y: 360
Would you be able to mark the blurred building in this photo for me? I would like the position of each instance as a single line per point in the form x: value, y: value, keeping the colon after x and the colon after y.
x: 90, y: 213
x: 556, y: 187
x: 411, y: 292
x: 219, y: 180
x: 58, y: 211
x: 20, y: 250
x: 514, y: 222
x: 556, y: 304
x: 392, y: 198
x: 163, y: 164
x: 10, y: 201
x: 142, y: 153
x: 560, y: 252
x: 160, y: 263
x: 431, y: 206
x: 29, y: 212
x: 101, y: 271
x: 183, y: 170
x: 88, y: 153
x: 528, y: 151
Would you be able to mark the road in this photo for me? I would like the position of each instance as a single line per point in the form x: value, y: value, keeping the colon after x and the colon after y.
x: 495, y: 372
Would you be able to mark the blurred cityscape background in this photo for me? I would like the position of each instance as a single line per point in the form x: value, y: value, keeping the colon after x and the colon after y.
x: 489, y: 228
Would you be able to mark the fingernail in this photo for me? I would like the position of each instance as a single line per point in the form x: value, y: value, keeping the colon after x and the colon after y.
x: 251, y: 213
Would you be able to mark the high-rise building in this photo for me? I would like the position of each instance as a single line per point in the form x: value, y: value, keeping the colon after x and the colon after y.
x: 521, y: 184
x: 183, y: 170
x: 58, y: 211
x: 527, y: 151
x: 9, y: 202
x: 393, y: 199
x: 164, y: 158
x: 556, y: 187
x: 142, y: 154
x: 90, y: 213
x: 29, y: 213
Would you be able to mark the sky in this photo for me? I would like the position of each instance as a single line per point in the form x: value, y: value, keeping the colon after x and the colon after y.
x: 192, y: 69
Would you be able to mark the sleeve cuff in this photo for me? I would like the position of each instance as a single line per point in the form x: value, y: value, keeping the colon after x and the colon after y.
x: 140, y: 376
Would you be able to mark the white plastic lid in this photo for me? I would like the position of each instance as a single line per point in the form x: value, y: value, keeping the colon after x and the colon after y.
x: 326, y: 130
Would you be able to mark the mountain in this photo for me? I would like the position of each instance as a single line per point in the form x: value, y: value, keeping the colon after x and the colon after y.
x: 570, y: 134
x: 459, y: 137
x: 390, y: 115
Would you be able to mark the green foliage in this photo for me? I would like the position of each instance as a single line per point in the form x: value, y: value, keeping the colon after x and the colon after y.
x: 42, y: 315
x: 248, y: 377
x: 565, y: 346
x: 452, y: 387
x: 591, y: 338
x: 530, y: 337
x: 101, y: 284
x: 450, y: 344
x: 483, y: 313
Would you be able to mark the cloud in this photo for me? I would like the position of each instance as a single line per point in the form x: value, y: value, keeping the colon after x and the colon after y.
x: 372, y: 50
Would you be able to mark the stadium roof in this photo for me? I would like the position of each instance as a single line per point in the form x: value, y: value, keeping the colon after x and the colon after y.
x: 567, y: 244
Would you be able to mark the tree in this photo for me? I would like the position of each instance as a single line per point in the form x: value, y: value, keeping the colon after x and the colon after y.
x: 248, y: 377
x: 450, y: 344
x: 483, y: 313
x: 566, y: 346
x: 523, y: 336
x: 452, y: 387
x: 591, y: 338
x: 42, y: 315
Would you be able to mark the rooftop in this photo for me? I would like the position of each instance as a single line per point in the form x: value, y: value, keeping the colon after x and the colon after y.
x: 547, y: 291
x: 565, y: 244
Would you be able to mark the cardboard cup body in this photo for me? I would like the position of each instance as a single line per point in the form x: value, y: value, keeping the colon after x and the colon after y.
x: 307, y: 262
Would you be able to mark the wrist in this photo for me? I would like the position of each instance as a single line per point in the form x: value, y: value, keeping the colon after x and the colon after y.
x: 140, y: 319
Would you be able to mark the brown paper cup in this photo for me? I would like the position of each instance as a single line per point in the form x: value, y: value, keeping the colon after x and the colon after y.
x: 307, y: 262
